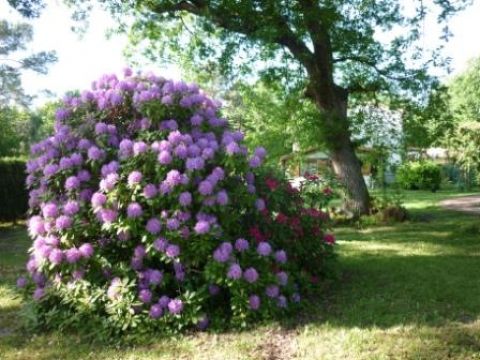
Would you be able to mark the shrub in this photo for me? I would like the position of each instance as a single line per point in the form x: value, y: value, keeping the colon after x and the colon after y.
x: 13, y: 193
x: 419, y: 175
x: 148, y: 213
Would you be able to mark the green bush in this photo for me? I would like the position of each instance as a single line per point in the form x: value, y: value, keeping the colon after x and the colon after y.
x: 13, y: 193
x: 419, y: 175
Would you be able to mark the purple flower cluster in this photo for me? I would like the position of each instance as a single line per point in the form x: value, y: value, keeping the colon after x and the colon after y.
x: 137, y: 194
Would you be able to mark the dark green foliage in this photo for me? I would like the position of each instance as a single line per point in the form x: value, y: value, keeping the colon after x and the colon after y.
x: 419, y: 175
x: 13, y: 194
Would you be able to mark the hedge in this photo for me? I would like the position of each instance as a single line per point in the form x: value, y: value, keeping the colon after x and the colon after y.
x: 13, y: 193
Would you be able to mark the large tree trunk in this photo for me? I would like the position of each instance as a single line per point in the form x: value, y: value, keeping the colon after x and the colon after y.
x: 337, y: 137
x: 348, y: 169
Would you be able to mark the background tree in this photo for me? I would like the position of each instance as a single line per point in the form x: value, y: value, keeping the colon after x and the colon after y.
x: 465, y: 93
x: 332, y: 47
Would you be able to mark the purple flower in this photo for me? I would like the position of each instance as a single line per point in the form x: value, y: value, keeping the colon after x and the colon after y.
x: 108, y: 216
x: 241, y: 245
x: 164, y: 157
x: 296, y: 297
x: 203, y: 323
x: 222, y: 253
x: 150, y: 191
x: 98, y: 200
x: 272, y: 291
x: 36, y: 226
x: 213, y: 289
x: 50, y: 170
x: 185, y: 198
x: 109, y: 182
x: 139, y: 148
x: 50, y: 210
x: 172, y: 250
x: 56, y: 256
x: 222, y: 198
x: 126, y: 148
x: 181, y: 151
x: 154, y: 226
x: 281, y: 256
x: 250, y: 275
x: 134, y: 210
x: 264, y: 248
x: 260, y: 204
x: 86, y: 250
x: 282, y: 301
x: 174, y: 178
x: 63, y: 222
x: 175, y: 306
x: 255, y: 162
x: 254, y: 302
x: 205, y: 188
x: 134, y: 178
x: 163, y: 301
x: 260, y: 152
x: 202, y: 227
x: 71, y: 207
x: 282, y: 278
x: 21, y: 282
x: 145, y: 296
x: 38, y: 293
x: 173, y: 224
x: 73, y: 255
x: 139, y: 251
x: 234, y: 272
x: 156, y: 311
x: 155, y: 277
x: 94, y: 153
x: 160, y: 244
x: 72, y: 183
x: 101, y: 128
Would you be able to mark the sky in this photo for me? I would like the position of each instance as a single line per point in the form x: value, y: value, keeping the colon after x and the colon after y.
x: 84, y: 59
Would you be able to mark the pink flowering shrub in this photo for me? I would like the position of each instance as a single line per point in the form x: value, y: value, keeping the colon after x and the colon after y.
x: 148, y: 213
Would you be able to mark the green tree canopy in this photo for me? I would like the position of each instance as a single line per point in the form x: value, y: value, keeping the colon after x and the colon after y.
x: 465, y: 93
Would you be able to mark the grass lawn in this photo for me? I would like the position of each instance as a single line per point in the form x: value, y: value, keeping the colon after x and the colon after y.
x: 407, y: 291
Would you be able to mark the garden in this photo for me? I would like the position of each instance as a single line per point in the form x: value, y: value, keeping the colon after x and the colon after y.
x: 269, y: 203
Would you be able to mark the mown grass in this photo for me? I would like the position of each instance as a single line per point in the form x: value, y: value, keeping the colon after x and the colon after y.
x: 407, y: 291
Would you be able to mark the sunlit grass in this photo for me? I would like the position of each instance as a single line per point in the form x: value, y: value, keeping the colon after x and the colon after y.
x: 406, y: 291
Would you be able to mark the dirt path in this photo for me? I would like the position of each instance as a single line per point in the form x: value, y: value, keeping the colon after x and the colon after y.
x: 470, y: 204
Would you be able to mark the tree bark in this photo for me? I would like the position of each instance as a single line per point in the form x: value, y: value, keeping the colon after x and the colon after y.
x: 346, y: 164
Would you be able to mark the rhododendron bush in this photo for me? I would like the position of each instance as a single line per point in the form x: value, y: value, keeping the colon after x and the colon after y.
x: 149, y: 213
